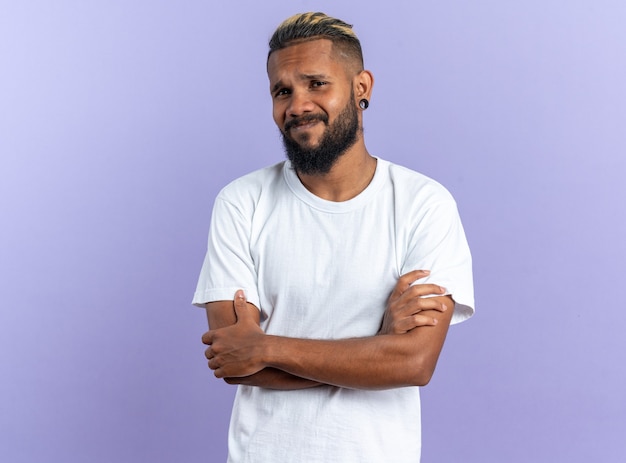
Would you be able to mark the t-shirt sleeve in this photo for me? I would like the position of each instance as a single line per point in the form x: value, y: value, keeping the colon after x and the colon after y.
x: 438, y: 244
x: 228, y: 265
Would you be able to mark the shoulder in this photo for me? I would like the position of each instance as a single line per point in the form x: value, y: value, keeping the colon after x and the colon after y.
x: 247, y: 190
x: 415, y: 187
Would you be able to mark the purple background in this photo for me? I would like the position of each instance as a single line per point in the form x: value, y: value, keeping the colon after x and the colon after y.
x: 120, y: 121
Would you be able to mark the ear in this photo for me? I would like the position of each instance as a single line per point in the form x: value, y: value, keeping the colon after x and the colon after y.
x: 363, y: 84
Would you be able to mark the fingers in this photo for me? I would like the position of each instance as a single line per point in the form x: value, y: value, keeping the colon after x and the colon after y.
x: 425, y: 290
x: 426, y: 303
x: 414, y: 300
x: 240, y: 298
x: 408, y: 278
x: 408, y: 324
x: 240, y: 304
x: 405, y: 281
x: 213, y: 361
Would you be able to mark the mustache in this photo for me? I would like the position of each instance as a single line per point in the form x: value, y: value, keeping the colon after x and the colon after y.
x: 305, y: 120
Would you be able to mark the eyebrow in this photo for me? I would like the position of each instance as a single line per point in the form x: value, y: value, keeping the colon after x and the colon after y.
x: 280, y: 84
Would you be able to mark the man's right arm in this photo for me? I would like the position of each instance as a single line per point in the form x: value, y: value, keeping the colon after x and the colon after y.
x: 221, y: 314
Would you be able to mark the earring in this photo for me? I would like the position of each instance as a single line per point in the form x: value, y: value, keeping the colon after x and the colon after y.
x: 364, y: 104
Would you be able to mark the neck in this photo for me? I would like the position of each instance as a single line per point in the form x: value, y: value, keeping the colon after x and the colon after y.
x: 348, y: 177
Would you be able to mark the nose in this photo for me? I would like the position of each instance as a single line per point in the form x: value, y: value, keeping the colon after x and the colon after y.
x: 299, y: 104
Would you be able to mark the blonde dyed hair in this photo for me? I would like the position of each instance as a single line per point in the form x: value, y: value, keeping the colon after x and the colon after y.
x: 303, y: 27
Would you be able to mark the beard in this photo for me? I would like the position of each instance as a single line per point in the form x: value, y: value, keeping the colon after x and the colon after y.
x: 336, y: 139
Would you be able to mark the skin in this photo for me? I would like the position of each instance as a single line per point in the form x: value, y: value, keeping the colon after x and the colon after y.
x: 312, y: 78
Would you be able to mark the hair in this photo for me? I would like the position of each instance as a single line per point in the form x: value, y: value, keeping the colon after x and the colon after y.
x: 303, y: 27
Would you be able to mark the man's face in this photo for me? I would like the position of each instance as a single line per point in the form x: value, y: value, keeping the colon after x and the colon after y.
x: 314, y: 105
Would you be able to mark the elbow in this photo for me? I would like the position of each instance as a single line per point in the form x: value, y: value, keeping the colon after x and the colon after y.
x: 233, y: 381
x: 422, y: 370
x: 421, y: 379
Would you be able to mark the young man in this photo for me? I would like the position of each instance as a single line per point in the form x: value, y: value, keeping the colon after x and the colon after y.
x: 331, y: 278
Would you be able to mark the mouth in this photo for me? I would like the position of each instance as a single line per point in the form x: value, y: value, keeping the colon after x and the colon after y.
x: 303, y: 123
x: 303, y: 126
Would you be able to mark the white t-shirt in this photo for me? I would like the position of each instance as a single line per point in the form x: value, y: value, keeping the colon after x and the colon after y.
x: 324, y: 270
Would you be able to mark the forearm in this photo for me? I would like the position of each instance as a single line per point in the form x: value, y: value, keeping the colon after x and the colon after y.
x: 378, y: 362
x: 271, y: 378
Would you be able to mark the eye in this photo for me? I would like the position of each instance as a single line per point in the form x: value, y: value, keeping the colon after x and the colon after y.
x: 318, y: 83
x: 281, y: 92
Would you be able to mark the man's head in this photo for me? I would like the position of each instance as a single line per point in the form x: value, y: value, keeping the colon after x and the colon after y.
x: 315, y: 67
x: 313, y: 26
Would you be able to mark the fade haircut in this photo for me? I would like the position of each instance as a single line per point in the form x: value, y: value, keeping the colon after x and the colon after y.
x: 303, y: 27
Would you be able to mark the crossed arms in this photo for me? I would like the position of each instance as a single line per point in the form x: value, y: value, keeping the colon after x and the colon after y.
x: 403, y: 353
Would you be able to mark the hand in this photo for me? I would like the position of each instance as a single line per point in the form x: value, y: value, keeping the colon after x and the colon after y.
x: 404, y: 307
x: 235, y: 350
